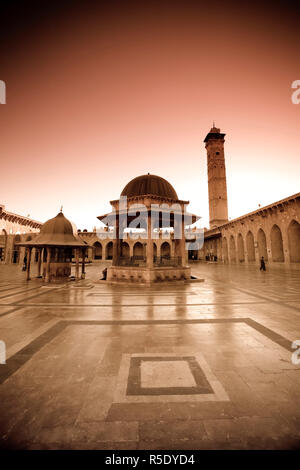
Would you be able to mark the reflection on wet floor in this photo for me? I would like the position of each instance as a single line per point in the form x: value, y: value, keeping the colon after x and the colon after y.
x: 71, y: 349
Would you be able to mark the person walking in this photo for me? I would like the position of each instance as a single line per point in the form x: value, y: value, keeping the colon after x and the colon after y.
x: 262, y: 264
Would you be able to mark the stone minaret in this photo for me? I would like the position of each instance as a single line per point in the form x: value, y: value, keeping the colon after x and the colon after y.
x: 217, y: 188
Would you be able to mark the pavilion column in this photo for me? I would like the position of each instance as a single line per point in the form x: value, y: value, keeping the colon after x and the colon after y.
x: 77, y: 263
x: 182, y: 243
x: 149, y: 248
x: 40, y: 253
x: 116, y: 243
x: 28, y: 263
x: 83, y: 264
x: 47, y: 277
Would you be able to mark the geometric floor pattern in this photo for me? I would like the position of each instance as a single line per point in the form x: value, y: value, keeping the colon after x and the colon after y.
x: 200, y: 366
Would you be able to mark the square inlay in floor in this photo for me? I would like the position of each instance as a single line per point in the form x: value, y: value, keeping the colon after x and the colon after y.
x: 166, y: 373
x: 167, y: 377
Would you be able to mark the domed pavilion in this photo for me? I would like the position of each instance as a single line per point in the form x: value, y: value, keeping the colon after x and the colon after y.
x: 150, y: 203
x: 55, y: 245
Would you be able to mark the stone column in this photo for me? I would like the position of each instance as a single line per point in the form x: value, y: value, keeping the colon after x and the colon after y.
x: 83, y: 264
x: 131, y: 243
x: 285, y: 244
x: 116, y: 243
x: 172, y: 243
x: 40, y: 252
x: 149, y: 248
x: 28, y: 263
x: 47, y: 277
x: 182, y: 244
x: 77, y: 263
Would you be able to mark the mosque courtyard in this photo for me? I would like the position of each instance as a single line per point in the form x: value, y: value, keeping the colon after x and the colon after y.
x: 204, y: 365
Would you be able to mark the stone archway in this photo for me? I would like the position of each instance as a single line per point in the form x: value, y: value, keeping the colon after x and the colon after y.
x: 294, y: 241
x: 97, y: 249
x: 109, y: 250
x: 232, y: 251
x: 262, y: 244
x: 165, y: 250
x: 3, y: 245
x: 240, y: 248
x: 225, y: 250
x: 276, y: 244
x: 125, y: 250
x: 250, y: 246
x: 138, y: 250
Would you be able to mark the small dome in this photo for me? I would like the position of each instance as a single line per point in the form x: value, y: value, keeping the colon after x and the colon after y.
x: 58, y: 231
x: 58, y: 225
x: 149, y: 185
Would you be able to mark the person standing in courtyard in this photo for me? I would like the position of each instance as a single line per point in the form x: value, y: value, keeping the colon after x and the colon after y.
x: 262, y: 264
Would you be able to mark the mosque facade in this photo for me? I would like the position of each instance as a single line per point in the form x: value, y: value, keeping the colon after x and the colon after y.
x: 272, y: 231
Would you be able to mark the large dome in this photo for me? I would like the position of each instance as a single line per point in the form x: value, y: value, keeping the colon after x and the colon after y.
x: 149, y: 184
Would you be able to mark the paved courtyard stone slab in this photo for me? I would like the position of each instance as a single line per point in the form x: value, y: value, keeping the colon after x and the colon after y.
x: 205, y: 366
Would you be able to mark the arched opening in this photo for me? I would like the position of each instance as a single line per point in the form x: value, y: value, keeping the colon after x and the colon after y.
x: 165, y: 250
x: 125, y: 252
x: 192, y: 254
x: 232, y: 251
x: 225, y: 250
x: 138, y: 251
x: 294, y: 241
x: 250, y: 246
x: 262, y: 244
x: 3, y: 242
x: 240, y: 248
x: 28, y: 238
x: 109, y: 250
x: 97, y: 250
x: 277, y: 244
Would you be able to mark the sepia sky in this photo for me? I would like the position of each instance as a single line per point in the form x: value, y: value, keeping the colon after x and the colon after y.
x: 98, y: 95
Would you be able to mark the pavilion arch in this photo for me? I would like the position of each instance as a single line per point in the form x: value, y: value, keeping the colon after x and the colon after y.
x: 240, y: 248
x: 225, y: 250
x: 109, y: 250
x: 165, y: 250
x: 277, y: 244
x: 262, y: 244
x: 97, y: 250
x: 138, y: 250
x: 28, y: 238
x: 294, y: 241
x: 232, y: 251
x: 250, y: 246
x: 125, y: 250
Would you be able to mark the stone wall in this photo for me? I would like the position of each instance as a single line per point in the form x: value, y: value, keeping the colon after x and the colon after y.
x: 272, y: 232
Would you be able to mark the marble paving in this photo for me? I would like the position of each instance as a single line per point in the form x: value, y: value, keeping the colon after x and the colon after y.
x: 188, y: 366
